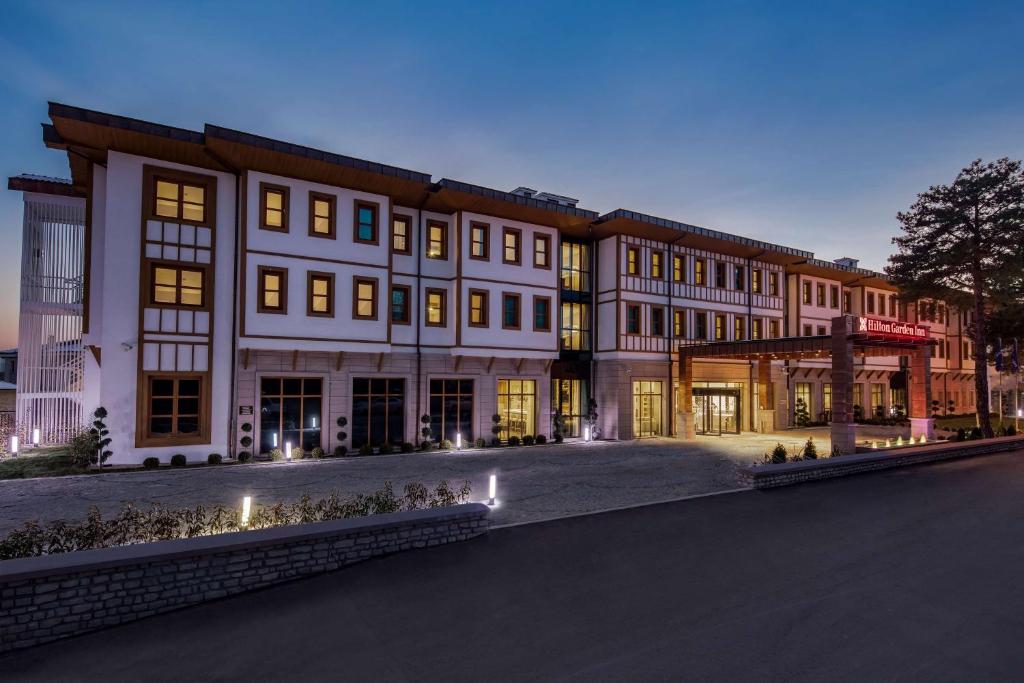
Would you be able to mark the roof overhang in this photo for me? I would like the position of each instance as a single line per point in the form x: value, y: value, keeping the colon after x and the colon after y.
x: 51, y: 186
x: 849, y: 277
x: 454, y: 195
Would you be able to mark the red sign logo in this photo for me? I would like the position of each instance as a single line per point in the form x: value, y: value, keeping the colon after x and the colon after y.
x: 891, y: 328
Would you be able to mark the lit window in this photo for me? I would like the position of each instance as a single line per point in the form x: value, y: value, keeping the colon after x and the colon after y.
x: 542, y: 251
x: 755, y: 328
x: 678, y: 269
x: 366, y: 223
x: 180, y: 200
x: 436, y: 307
x: 478, y: 241
x: 739, y: 328
x: 834, y: 296
x: 477, y: 308
x: 364, y: 301
x: 679, y: 324
x: 173, y: 407
x: 512, y: 244
x: 541, y: 313
x: 806, y: 287
x: 720, y: 327
x: 400, y: 229
x: 774, y: 329
x: 821, y: 294
x: 321, y: 215
x: 510, y: 311
x: 273, y: 290
x: 575, y: 326
x: 321, y: 294
x: 656, y: 265
x: 575, y: 267
x: 177, y: 286
x: 755, y: 281
x: 699, y: 272
x: 633, y: 261
x: 437, y: 240
x: 773, y: 284
x: 274, y: 209
x: 400, y: 304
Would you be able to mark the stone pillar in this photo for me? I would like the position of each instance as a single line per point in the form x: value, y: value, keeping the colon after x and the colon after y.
x: 765, y: 396
x: 920, y: 394
x: 844, y: 437
x: 685, y: 426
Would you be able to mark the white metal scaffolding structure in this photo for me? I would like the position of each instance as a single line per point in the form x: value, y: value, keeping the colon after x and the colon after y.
x: 49, y: 396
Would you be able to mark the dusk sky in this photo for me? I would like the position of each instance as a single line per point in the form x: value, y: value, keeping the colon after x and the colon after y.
x: 807, y: 125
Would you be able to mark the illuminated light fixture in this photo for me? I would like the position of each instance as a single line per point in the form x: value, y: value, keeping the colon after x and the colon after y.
x: 874, y: 444
x: 35, y: 436
x: 1020, y: 412
x: 923, y: 439
x: 586, y: 433
x: 274, y: 435
x: 899, y: 440
x: 288, y: 450
x: 14, y: 445
x: 458, y: 441
x: 314, y: 423
x: 888, y: 443
x: 246, y: 509
x: 492, y: 489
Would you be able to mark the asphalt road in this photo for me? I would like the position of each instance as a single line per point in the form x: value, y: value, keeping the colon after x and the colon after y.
x: 911, y: 574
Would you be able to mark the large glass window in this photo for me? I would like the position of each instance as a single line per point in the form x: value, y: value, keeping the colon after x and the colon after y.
x: 174, y: 406
x: 826, y: 397
x: 290, y: 412
x: 575, y: 267
x: 569, y: 397
x: 575, y: 326
x: 378, y: 411
x: 647, y: 408
x: 803, y: 393
x: 451, y: 409
x: 877, y: 401
x: 517, y: 406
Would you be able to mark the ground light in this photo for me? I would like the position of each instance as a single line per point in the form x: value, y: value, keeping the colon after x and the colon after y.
x: 586, y: 433
x: 288, y: 450
x: 492, y: 489
x: 246, y: 509
x: 14, y: 445
x: 274, y: 444
x: 458, y: 441
x: 35, y: 436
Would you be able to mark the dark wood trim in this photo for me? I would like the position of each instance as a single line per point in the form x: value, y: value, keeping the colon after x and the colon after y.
x: 365, y: 204
x: 208, y: 183
x: 321, y: 259
x: 631, y: 252
x: 427, y: 292
x: 519, y: 310
x: 407, y: 221
x: 444, y: 240
x: 243, y: 278
x: 311, y: 277
x: 148, y: 282
x: 485, y: 308
x: 546, y: 239
x: 143, y: 437
x: 486, y: 227
x: 260, y: 290
x: 518, y: 261
x: 332, y: 218
x: 533, y: 311
x: 661, y: 265
x: 702, y: 281
x: 285, y: 193
x: 408, y: 305
x: 375, y: 284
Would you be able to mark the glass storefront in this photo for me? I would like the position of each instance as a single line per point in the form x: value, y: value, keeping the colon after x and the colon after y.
x: 647, y: 408
x: 569, y: 396
x: 378, y: 411
x: 451, y: 409
x: 716, y: 411
x: 517, y: 406
x: 290, y: 412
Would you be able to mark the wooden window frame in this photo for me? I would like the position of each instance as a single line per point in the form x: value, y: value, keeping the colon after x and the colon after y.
x: 773, y: 283
x: 659, y: 255
x: 639, y: 324
x: 678, y: 273
x: 364, y: 204
x: 486, y: 228
x: 774, y: 329
x: 808, y: 330
x: 332, y: 223
x: 834, y: 297
x: 443, y: 293
x: 145, y: 437
x: 443, y: 256
x: 633, y: 261
x: 203, y: 271
x: 820, y: 300
x: 697, y: 317
x: 700, y: 272
x: 151, y: 174
x: 407, y: 221
x: 756, y: 281
x: 285, y: 193
x: 261, y: 271
x: 756, y: 329
x: 725, y: 327
x: 546, y: 240
x: 484, y: 309
x: 679, y: 323
x: 739, y: 273
x: 505, y: 232
x: 659, y: 310
x: 312, y: 275
x: 720, y: 268
x: 806, y: 298
x: 547, y: 300
x: 407, y: 319
x: 519, y: 310
x: 375, y: 284
x: 739, y: 328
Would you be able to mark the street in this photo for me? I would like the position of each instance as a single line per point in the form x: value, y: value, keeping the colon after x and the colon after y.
x: 909, y: 574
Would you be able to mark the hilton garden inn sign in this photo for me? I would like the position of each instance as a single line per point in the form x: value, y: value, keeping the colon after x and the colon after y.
x: 891, y: 328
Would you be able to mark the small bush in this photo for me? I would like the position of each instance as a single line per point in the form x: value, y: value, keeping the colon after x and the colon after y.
x: 298, y: 453
x: 407, y: 447
x: 366, y: 449
x: 425, y: 445
x: 559, y: 438
x: 214, y: 459
x: 244, y: 456
x: 342, y: 436
x: 778, y: 454
x: 514, y: 441
x: 480, y: 443
x: 178, y: 460
x: 528, y: 440
x: 496, y: 442
x: 340, y: 451
x: 342, y: 421
x: 445, y: 445
x: 541, y: 439
x: 83, y: 447
x: 246, y: 441
x: 384, y: 449
x: 976, y: 432
x: 961, y: 435
x: 246, y: 426
x: 151, y: 463
x: 318, y: 453
x: 276, y: 455
x: 810, y: 450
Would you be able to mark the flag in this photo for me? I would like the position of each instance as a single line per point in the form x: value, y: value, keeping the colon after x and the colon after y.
x: 999, y: 354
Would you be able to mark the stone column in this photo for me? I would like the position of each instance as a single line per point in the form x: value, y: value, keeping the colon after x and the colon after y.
x: 765, y: 396
x: 844, y: 437
x: 685, y: 426
x: 920, y: 394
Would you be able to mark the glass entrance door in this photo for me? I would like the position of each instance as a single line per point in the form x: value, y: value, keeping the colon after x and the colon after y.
x: 569, y: 397
x: 716, y: 411
x: 646, y: 409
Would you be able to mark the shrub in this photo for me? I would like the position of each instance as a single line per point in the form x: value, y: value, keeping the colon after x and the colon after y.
x: 425, y: 445
x: 528, y: 440
x: 425, y: 432
x: 340, y: 451
x: 214, y: 459
x: 496, y: 442
x: 778, y: 454
x: 961, y: 435
x: 82, y: 448
x: 407, y: 447
x: 1011, y: 431
x: 513, y: 441
x: 445, y: 445
x: 366, y: 449
x: 559, y: 438
x: 810, y: 450
x: 298, y: 453
x: 342, y: 436
x: 246, y: 441
x: 178, y: 460
x: 244, y: 456
x: 102, y: 436
x: 342, y: 421
x: 496, y: 426
x: 976, y: 432
x: 541, y: 439
x: 480, y: 443
x: 151, y: 463
x: 318, y: 453
x: 800, y: 415
x: 246, y: 426
x: 384, y: 449
x: 276, y: 455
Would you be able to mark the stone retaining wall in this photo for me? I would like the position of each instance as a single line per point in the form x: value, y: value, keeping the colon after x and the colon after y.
x: 771, y: 476
x: 54, y: 596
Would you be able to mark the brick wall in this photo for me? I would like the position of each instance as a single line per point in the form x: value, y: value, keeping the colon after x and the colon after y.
x: 55, y: 596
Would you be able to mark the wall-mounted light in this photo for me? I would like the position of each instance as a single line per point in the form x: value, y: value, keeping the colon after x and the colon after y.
x: 492, y: 489
x: 35, y: 436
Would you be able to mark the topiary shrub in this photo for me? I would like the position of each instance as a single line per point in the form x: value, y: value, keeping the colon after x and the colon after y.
x: 407, y: 447
x: 541, y: 439
x: 366, y: 449
x: 276, y: 455
x: 151, y: 463
x: 496, y: 442
x: 246, y: 441
x: 340, y: 451
x: 514, y: 441
x: 244, y: 456
x: 528, y: 440
x: 810, y: 450
x: 342, y: 436
x: 318, y: 453
x: 424, y: 445
x: 445, y: 445
x: 246, y: 426
x: 178, y: 460
x: 976, y: 433
x: 385, y: 449
x: 480, y: 443
x: 214, y: 459
x: 342, y: 421
x: 778, y: 454
x: 425, y: 431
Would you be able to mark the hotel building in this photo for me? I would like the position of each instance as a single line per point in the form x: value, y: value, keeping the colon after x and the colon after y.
x: 230, y: 287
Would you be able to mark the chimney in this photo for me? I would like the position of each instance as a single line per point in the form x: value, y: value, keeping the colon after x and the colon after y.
x: 847, y: 262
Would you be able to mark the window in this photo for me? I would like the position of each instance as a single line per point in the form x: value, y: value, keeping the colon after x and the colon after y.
x: 806, y: 292
x: 273, y: 290
x: 739, y: 328
x: 657, y: 259
x: 755, y: 328
x: 679, y: 324
x: 720, y: 276
x: 364, y: 298
x: 541, y: 314
x: 401, y: 230
x: 173, y: 407
x: 273, y: 207
x: 658, y: 321
x: 400, y: 295
x: 451, y: 409
x: 378, y: 411
x: 437, y: 240
x: 808, y: 331
x: 803, y: 395
x: 542, y: 251
x: 700, y: 324
x: 719, y: 327
x: 478, y: 308
x: 512, y: 241
x: 739, y: 281
x: 575, y: 267
x: 826, y: 396
x: 322, y: 210
x: 510, y: 311
x: 177, y: 286
x: 320, y: 294
x: 773, y: 284
x: 632, y: 319
x: 517, y: 406
x: 893, y: 312
x: 290, y: 412
x: 881, y: 307
x: 180, y: 200
x: 678, y: 268
x: 437, y: 308
x: 858, y: 395
x: 365, y: 222
x: 847, y: 302
x: 774, y: 329
x: 632, y: 261
x: 755, y: 281
x: 700, y: 272
x: 877, y: 403
x: 575, y: 326
x: 821, y: 294
x: 821, y: 331
x: 834, y: 296
x: 479, y: 241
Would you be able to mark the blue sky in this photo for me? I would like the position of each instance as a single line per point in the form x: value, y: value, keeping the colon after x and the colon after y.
x: 807, y: 124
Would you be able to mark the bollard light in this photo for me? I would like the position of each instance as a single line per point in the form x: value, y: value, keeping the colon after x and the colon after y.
x: 274, y: 440
x: 492, y: 489
x: 586, y: 433
x: 14, y: 445
x: 288, y: 450
x: 35, y: 436
x: 923, y: 439
x: 246, y: 509
x: 458, y: 441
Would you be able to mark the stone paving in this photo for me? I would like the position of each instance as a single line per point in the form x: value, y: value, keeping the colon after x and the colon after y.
x: 534, y: 483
